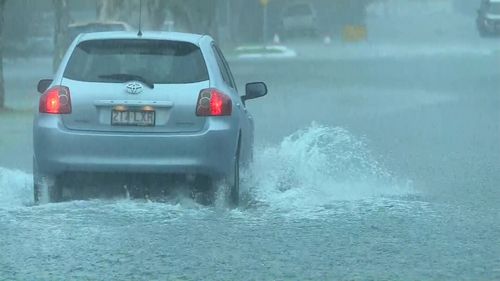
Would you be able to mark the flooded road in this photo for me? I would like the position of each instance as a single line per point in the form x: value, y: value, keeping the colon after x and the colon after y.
x: 370, y: 167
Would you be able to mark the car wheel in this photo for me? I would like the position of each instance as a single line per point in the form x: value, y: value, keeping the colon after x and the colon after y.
x: 46, y: 189
x: 234, y: 188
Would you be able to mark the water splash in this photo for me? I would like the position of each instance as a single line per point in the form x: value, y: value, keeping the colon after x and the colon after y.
x: 315, y: 168
x: 16, y: 188
x: 312, y: 170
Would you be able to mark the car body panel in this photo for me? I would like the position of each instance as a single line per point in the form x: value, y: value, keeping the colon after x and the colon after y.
x: 172, y: 104
x: 180, y: 143
x: 59, y: 150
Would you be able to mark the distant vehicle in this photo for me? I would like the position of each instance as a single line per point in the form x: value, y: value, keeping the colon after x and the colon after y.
x: 168, y: 26
x: 299, y: 19
x: 488, y: 18
x: 157, y: 103
x: 74, y: 29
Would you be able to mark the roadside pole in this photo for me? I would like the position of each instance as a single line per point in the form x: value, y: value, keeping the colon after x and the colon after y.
x: 264, y: 4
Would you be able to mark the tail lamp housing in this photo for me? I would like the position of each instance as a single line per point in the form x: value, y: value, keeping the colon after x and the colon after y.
x: 55, y: 100
x: 212, y: 102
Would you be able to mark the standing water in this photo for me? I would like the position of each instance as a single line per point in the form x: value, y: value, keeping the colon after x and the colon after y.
x: 318, y: 206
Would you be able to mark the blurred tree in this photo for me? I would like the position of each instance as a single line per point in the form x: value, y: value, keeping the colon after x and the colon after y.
x: 114, y: 10
x: 189, y: 15
x: 206, y: 15
x: 195, y: 16
x: 156, y: 13
x: 61, y: 22
x: 181, y: 16
x: 2, y: 88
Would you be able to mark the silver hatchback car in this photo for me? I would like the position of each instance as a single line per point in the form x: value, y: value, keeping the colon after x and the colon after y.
x: 156, y: 103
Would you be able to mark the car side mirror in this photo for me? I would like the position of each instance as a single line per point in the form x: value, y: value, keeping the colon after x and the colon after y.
x: 43, y: 85
x: 255, y: 90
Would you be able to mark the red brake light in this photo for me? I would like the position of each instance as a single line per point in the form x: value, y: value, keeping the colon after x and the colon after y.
x: 212, y: 102
x: 55, y: 100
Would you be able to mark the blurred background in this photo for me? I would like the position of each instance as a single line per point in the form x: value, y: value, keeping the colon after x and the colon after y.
x: 44, y: 28
x: 376, y: 158
x: 30, y: 25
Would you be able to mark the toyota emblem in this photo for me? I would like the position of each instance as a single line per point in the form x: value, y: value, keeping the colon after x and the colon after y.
x: 134, y: 88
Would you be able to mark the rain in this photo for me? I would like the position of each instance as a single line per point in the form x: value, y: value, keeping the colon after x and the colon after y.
x: 375, y: 157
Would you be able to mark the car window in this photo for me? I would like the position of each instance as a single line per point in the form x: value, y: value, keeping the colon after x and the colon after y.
x: 226, y: 65
x: 158, y: 61
x: 223, y: 66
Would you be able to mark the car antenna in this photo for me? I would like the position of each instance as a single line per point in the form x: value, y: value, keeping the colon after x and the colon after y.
x: 140, y: 19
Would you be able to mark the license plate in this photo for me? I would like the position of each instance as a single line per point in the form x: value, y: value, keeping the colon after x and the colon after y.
x: 133, y: 118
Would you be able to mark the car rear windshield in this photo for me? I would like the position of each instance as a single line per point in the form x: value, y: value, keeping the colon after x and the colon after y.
x: 156, y: 61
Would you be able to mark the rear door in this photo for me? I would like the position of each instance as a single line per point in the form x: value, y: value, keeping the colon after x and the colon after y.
x: 135, y: 85
x: 245, y: 118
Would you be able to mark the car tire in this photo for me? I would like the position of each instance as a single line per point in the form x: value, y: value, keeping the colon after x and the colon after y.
x: 234, y: 187
x: 46, y: 189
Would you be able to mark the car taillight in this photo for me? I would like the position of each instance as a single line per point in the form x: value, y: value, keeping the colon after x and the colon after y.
x: 55, y: 100
x: 212, y: 102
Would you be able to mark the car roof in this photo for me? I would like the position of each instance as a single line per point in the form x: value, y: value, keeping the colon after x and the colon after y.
x: 152, y: 35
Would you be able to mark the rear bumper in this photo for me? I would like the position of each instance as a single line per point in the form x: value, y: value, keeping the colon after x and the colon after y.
x: 209, y: 152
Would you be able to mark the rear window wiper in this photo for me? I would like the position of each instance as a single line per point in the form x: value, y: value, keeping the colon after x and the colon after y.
x: 124, y: 77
